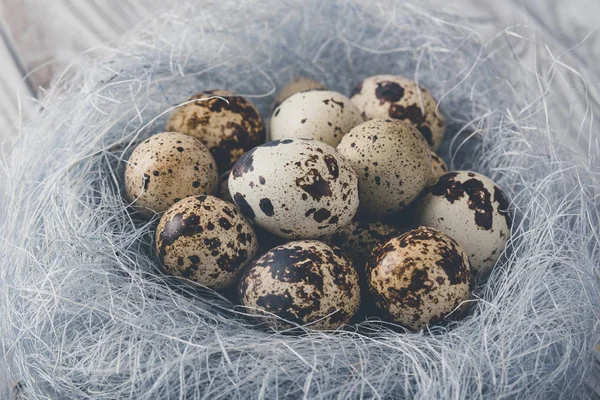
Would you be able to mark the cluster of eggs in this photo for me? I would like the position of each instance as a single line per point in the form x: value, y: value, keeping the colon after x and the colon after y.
x: 306, y: 223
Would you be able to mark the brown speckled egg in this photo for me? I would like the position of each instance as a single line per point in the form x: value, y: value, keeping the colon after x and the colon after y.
x: 359, y: 238
x: 472, y: 209
x: 223, y: 191
x: 303, y: 282
x: 392, y: 161
x: 391, y: 96
x: 438, y: 167
x: 300, y: 84
x: 319, y: 114
x: 166, y: 168
x: 295, y: 188
x: 418, y: 278
x: 206, y: 240
x: 228, y: 125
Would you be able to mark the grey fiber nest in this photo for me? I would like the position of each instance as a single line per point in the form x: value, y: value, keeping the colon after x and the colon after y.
x: 86, y: 313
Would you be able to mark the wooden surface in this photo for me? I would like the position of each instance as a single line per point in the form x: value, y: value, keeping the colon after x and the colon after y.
x: 39, y: 37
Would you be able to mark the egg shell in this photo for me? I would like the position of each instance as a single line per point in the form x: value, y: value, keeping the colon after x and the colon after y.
x: 228, y: 125
x: 303, y: 282
x: 438, y: 167
x: 295, y: 188
x: 419, y: 277
x: 299, y: 84
x: 223, y: 191
x: 392, y: 161
x: 473, y: 210
x: 206, y: 240
x: 166, y: 168
x: 391, y: 96
x: 319, y: 114
x: 359, y: 238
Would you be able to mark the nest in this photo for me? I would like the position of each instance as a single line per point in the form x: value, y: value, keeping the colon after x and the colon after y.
x: 87, y: 313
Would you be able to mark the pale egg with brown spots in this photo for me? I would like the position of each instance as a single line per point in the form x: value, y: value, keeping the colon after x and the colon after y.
x: 303, y: 282
x: 226, y: 123
x: 295, y: 188
x: 300, y: 84
x: 319, y: 114
x: 391, y: 96
x: 166, y: 168
x: 206, y: 240
x: 392, y: 161
x: 472, y: 209
x: 419, y: 278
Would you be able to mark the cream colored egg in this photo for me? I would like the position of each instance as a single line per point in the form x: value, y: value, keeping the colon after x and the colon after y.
x: 420, y: 277
x: 206, y: 240
x: 166, y: 168
x: 319, y: 114
x: 392, y: 161
x: 299, y: 84
x: 295, y: 188
x: 226, y: 123
x: 438, y: 167
x: 473, y: 210
x: 391, y: 96
x: 304, y: 282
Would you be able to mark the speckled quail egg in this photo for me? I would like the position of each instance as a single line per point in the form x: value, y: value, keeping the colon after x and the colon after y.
x: 319, y: 114
x: 391, y: 96
x: 206, y: 240
x: 303, y: 282
x: 358, y: 238
x: 438, y: 167
x: 392, y: 161
x: 223, y: 190
x: 228, y: 125
x: 472, y: 209
x: 166, y: 168
x: 299, y: 84
x: 419, y: 277
x: 295, y: 188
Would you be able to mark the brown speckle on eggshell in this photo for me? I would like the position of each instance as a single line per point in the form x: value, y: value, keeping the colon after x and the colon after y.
x: 206, y: 240
x: 419, y: 277
x: 166, y: 168
x: 392, y: 161
x: 295, y: 188
x: 228, y: 124
x: 391, y: 96
x: 472, y: 209
x: 304, y: 282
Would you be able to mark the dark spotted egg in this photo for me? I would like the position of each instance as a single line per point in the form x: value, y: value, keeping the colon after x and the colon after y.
x: 419, y: 278
x: 299, y: 84
x: 303, y: 282
x: 319, y: 114
x: 358, y: 238
x: 295, y: 188
x: 206, y: 240
x: 472, y: 209
x: 392, y: 161
x: 167, y: 167
x: 225, y: 122
x: 391, y: 96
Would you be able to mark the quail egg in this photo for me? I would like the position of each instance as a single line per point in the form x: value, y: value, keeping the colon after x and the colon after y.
x: 206, y: 240
x: 303, y: 282
x: 391, y: 96
x: 419, y: 277
x: 438, y: 167
x: 472, y: 209
x: 167, y: 167
x: 295, y: 188
x: 225, y: 122
x: 392, y: 161
x: 300, y: 84
x: 319, y: 114
x: 223, y: 191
